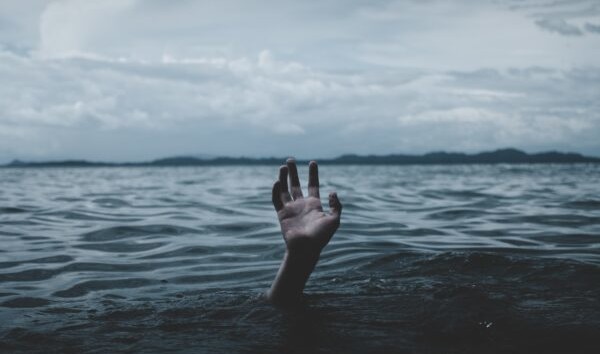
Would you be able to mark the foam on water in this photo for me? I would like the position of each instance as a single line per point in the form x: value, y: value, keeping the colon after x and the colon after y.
x: 455, y: 258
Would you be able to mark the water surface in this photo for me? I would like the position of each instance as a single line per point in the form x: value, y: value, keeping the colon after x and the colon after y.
x: 502, y: 258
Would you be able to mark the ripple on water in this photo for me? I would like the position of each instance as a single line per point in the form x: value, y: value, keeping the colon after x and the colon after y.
x: 49, y: 259
x: 111, y: 203
x: 122, y: 232
x: 94, y: 216
x: 181, y: 252
x: 85, y: 287
x: 36, y: 274
x: 25, y: 302
x: 585, y: 204
x: 563, y: 220
x: 120, y: 247
x: 12, y: 210
x: 458, y: 214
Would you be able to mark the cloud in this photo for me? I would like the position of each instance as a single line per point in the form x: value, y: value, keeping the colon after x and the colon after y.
x: 55, y: 104
x: 567, y: 18
x: 592, y: 28
x: 559, y: 26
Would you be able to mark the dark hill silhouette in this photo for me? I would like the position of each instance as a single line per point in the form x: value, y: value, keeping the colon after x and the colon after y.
x: 509, y: 156
x: 492, y: 157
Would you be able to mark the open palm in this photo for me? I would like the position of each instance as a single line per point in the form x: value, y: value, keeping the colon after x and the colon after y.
x: 304, y: 224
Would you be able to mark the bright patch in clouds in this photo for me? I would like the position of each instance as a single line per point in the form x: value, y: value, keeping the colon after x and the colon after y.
x: 134, y: 80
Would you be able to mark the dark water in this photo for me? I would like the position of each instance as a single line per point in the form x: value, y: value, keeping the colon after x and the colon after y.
x: 453, y: 259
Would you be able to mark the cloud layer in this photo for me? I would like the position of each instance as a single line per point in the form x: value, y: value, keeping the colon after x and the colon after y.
x: 131, y: 80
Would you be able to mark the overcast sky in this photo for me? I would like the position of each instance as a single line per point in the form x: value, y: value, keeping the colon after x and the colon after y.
x: 128, y: 80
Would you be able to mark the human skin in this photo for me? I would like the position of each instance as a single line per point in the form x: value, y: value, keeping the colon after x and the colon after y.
x: 306, y: 230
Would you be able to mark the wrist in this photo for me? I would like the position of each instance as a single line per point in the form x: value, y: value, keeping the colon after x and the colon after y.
x: 295, y: 269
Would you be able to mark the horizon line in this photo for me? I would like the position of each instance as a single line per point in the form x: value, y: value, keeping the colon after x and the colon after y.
x: 207, y: 159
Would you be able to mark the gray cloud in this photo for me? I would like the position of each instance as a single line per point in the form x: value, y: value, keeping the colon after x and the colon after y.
x: 61, y: 104
x: 563, y: 17
x: 592, y: 28
x: 559, y: 26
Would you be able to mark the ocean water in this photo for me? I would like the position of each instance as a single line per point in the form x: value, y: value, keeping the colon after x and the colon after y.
x: 453, y: 259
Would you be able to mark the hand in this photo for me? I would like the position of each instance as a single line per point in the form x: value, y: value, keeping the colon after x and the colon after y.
x: 305, y: 227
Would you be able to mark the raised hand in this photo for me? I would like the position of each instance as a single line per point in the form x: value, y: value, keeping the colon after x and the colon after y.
x: 303, y: 223
x: 306, y: 229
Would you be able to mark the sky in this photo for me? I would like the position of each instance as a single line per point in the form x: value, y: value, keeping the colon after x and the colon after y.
x: 134, y: 80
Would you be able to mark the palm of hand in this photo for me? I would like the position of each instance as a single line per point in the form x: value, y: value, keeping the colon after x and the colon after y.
x: 303, y: 221
x: 304, y: 224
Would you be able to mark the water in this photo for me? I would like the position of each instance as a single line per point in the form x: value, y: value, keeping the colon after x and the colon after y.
x: 427, y: 259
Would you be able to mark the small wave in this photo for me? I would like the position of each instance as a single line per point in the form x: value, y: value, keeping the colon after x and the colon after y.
x: 25, y: 302
x: 239, y: 227
x: 450, y: 193
x: 86, y: 287
x: 460, y: 213
x: 346, y: 257
x: 111, y: 203
x: 565, y: 220
x: 123, y: 232
x: 12, y: 210
x: 74, y: 215
x: 35, y: 238
x: 233, y: 277
x: 585, y: 204
x: 29, y: 275
x: 181, y: 252
x: 68, y: 199
x: 49, y: 259
x: 120, y: 247
x: 585, y: 240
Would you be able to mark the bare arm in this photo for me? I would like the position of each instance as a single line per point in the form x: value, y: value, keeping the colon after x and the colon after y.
x: 306, y: 229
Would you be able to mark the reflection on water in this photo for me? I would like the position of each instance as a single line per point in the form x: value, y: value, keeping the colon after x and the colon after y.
x: 427, y: 259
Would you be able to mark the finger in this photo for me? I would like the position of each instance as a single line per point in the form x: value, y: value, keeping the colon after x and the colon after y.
x: 294, y: 180
x: 313, y: 179
x: 277, y: 196
x: 284, y: 194
x: 335, y: 206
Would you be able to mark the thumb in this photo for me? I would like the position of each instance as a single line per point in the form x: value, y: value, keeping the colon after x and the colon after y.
x: 335, y: 206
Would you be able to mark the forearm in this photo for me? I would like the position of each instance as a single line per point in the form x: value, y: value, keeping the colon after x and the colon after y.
x: 292, y: 276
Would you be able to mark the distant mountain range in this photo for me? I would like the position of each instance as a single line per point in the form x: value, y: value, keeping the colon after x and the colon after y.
x: 509, y: 156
